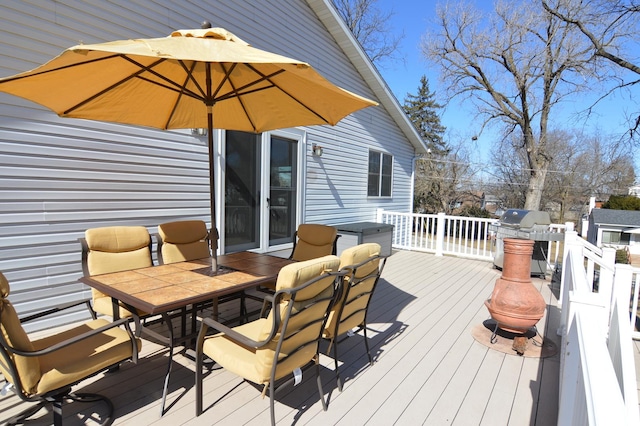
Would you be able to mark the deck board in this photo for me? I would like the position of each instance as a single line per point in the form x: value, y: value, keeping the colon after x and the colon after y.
x: 427, y: 368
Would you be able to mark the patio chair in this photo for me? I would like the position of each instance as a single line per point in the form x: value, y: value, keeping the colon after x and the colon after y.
x: 46, y: 369
x: 311, y: 241
x: 182, y: 241
x: 186, y: 240
x: 275, y: 348
x: 114, y: 249
x: 363, y: 266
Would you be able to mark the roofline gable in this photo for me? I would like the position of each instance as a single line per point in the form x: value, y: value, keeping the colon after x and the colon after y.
x: 329, y: 16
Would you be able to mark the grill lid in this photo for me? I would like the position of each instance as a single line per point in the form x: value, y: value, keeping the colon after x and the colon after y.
x: 513, y: 216
x: 525, y: 219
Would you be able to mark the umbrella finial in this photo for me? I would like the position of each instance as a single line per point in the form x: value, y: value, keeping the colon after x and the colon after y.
x: 205, y: 25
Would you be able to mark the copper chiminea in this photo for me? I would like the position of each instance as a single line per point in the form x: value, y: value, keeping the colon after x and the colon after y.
x: 515, y: 304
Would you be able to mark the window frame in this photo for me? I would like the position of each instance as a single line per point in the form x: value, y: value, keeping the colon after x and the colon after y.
x: 383, y: 180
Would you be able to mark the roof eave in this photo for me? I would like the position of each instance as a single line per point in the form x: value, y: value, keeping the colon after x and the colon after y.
x: 326, y: 12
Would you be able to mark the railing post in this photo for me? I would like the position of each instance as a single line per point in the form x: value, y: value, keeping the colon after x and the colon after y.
x: 605, y: 284
x: 570, y: 240
x: 440, y: 225
x: 622, y: 290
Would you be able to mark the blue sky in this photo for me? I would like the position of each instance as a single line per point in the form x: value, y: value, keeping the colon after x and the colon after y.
x: 413, y: 17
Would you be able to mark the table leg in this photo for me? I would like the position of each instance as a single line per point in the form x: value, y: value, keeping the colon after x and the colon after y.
x: 167, y: 318
x: 215, y: 309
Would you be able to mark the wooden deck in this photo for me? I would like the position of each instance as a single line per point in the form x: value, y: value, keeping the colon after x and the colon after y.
x: 428, y: 368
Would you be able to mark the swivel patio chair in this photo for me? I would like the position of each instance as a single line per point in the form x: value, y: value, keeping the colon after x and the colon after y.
x: 45, y: 370
x: 363, y: 266
x: 114, y: 249
x: 274, y: 348
x: 311, y: 241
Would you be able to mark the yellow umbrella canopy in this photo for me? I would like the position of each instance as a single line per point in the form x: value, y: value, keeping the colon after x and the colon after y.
x: 168, y: 83
x: 202, y: 78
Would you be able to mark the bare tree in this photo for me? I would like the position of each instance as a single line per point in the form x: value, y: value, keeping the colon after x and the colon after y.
x: 583, y: 165
x: 371, y: 28
x: 515, y: 66
x: 443, y: 180
x: 612, y: 27
x: 509, y: 172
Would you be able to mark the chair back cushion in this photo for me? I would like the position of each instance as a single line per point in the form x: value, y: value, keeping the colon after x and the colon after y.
x: 183, y: 240
x: 117, y: 248
x: 114, y: 249
x: 27, y: 368
x: 305, y: 316
x: 314, y: 241
x: 357, y: 290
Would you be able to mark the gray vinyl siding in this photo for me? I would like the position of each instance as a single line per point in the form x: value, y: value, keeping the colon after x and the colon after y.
x: 59, y: 177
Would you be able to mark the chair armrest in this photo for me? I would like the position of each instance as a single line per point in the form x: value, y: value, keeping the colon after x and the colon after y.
x: 73, y: 340
x: 228, y: 331
x: 55, y: 309
x: 268, y: 300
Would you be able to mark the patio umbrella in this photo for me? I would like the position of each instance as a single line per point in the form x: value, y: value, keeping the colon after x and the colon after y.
x: 202, y: 78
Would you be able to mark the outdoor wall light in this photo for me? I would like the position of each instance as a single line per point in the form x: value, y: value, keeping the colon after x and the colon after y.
x: 317, y: 150
x: 199, y: 132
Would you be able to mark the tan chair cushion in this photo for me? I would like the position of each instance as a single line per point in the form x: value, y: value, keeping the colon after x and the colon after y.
x: 256, y: 365
x: 28, y: 367
x: 83, y: 359
x: 349, y: 257
x: 314, y: 241
x: 115, y: 249
x: 184, y: 240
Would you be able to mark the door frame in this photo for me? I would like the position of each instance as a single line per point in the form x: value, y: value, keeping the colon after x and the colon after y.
x: 300, y: 136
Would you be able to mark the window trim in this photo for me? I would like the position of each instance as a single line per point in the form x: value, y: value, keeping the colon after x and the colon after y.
x: 379, y: 175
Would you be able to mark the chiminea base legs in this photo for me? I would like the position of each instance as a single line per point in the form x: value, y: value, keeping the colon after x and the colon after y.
x: 520, y: 342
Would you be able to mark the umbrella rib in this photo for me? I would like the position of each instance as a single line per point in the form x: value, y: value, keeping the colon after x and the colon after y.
x: 268, y: 78
x: 116, y: 84
x: 172, y: 85
x: 142, y: 68
x: 193, y: 80
x: 183, y: 89
x: 29, y: 75
x: 234, y: 92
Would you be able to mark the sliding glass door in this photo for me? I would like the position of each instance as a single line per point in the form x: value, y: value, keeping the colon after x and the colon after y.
x: 261, y: 188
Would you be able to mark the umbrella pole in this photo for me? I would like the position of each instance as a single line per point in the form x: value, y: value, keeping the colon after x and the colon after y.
x: 212, y: 191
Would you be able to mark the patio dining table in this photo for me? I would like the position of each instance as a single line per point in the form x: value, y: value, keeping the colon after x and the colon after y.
x: 166, y: 288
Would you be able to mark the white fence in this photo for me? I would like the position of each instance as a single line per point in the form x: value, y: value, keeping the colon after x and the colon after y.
x: 599, y: 305
x: 441, y: 234
x: 597, y: 369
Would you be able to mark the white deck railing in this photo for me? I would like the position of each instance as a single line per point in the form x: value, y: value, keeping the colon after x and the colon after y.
x: 452, y: 235
x: 598, y: 301
x: 597, y: 369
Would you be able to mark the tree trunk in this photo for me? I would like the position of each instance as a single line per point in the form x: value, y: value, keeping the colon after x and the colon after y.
x: 534, y: 191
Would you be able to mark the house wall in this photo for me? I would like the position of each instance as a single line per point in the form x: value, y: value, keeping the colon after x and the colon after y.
x: 59, y: 177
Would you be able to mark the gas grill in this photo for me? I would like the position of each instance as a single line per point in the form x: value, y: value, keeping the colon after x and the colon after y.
x: 528, y: 225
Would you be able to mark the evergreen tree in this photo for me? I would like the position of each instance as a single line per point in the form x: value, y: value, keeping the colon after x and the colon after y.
x: 432, y: 193
x: 422, y: 110
x: 622, y: 202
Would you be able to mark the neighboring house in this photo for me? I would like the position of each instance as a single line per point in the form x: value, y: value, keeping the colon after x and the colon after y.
x: 62, y: 176
x: 615, y: 228
x: 490, y: 203
x: 466, y: 200
x: 634, y: 190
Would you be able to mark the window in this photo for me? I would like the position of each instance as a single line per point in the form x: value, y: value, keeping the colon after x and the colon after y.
x: 380, y: 172
x: 610, y: 237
